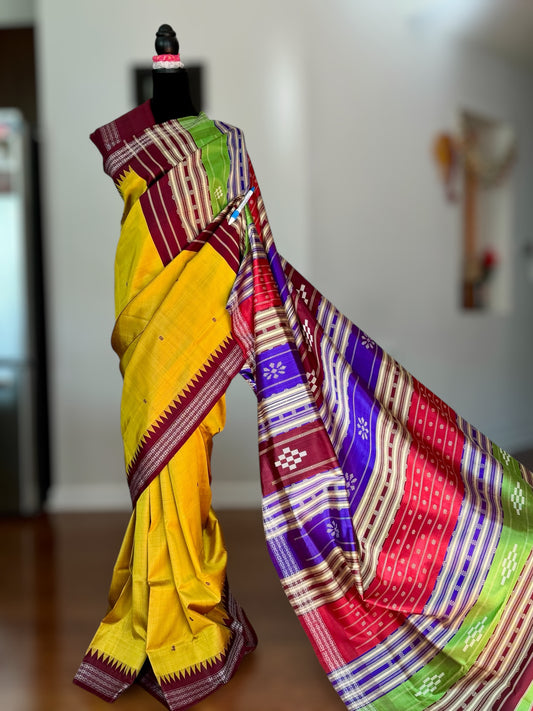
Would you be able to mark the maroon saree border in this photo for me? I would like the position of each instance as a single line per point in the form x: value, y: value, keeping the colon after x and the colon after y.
x: 104, y: 678
x: 183, y: 416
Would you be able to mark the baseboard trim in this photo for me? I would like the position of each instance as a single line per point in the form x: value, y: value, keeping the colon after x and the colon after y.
x: 115, y: 497
x: 226, y: 494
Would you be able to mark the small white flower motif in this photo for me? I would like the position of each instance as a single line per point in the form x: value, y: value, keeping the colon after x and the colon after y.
x: 333, y: 529
x: 367, y: 342
x: 362, y: 428
x: 351, y: 481
x: 273, y: 371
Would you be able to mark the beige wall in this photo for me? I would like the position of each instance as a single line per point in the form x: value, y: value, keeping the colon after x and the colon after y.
x: 339, y: 102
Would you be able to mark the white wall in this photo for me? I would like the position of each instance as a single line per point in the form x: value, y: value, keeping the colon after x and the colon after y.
x: 14, y: 13
x: 339, y: 103
x: 392, y: 248
x: 85, y: 81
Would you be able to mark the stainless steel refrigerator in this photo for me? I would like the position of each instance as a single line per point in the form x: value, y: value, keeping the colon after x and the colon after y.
x: 24, y: 466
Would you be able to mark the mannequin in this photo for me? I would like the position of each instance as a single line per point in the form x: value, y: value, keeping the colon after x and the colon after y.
x: 171, y: 92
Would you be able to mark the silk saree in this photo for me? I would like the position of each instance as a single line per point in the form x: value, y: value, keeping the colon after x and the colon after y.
x: 401, y: 534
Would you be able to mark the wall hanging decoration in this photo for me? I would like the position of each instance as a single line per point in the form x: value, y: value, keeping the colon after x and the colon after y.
x: 475, y: 166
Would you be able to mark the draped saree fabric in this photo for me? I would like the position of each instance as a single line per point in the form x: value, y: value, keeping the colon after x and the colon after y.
x: 401, y: 535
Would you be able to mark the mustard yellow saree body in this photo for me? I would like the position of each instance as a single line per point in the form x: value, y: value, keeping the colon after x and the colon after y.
x: 172, y: 623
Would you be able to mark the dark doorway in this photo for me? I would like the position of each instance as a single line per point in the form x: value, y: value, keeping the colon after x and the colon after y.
x: 18, y: 90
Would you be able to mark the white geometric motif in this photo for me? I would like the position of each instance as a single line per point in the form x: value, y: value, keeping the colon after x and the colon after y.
x: 219, y: 194
x: 362, y: 428
x: 430, y: 685
x: 475, y: 633
x: 274, y: 371
x: 312, y: 380
x: 506, y: 457
x: 303, y: 293
x: 290, y: 458
x: 509, y: 565
x: 518, y: 498
x: 307, y: 332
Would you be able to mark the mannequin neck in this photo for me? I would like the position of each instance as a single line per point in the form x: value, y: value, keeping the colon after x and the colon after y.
x: 171, y: 97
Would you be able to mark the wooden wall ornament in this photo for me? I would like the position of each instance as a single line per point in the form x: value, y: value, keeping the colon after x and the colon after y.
x: 447, y: 155
x: 469, y: 163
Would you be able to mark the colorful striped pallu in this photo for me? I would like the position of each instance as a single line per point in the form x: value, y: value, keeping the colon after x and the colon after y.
x: 401, y: 535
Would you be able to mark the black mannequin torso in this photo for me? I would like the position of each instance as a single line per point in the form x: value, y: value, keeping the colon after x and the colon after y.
x: 171, y: 97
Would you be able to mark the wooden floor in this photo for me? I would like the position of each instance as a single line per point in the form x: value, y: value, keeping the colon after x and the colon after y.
x: 55, y: 572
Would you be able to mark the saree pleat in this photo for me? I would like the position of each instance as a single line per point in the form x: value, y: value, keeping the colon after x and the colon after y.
x: 401, y: 535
